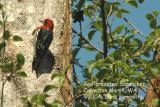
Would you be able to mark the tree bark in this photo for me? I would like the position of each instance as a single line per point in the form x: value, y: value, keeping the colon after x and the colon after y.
x: 152, y: 91
x: 23, y: 18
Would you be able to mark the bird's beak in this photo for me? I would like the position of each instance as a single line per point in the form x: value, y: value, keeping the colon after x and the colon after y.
x: 41, y: 21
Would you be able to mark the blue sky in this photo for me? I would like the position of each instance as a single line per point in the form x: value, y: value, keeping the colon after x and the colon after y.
x: 136, y: 16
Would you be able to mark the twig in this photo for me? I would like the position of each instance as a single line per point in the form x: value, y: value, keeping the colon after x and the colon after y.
x: 80, y: 28
x: 2, y: 92
x: 74, y: 31
x: 75, y: 77
x: 3, y: 84
x: 77, y: 95
x: 78, y: 64
x: 134, y: 27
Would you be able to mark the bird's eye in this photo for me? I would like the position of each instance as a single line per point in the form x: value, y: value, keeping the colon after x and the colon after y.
x: 45, y: 22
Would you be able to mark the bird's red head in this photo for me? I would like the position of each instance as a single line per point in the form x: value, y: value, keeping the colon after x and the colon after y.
x: 48, y: 23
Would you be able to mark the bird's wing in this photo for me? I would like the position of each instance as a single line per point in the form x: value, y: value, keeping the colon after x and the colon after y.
x: 34, y: 39
x: 43, y: 39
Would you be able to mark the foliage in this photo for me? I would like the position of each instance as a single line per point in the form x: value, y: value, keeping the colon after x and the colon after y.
x: 17, y: 38
x: 111, y: 79
x: 10, y: 67
x: 130, y: 59
x: 9, y: 64
x: 40, y: 99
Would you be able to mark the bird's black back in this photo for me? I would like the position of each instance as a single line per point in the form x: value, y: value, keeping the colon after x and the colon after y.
x: 44, y: 40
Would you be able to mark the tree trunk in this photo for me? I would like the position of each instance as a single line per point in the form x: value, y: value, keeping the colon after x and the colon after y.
x: 23, y: 18
x: 152, y: 92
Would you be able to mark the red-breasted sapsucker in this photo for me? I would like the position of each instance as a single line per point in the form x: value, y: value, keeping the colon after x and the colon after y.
x: 44, y: 39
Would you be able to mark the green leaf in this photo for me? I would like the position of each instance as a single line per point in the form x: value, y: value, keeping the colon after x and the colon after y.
x: 150, y: 16
x: 140, y: 1
x: 89, y: 10
x: 7, y: 34
x: 120, y: 12
x: 91, y: 34
x: 59, y: 78
x: 153, y: 23
x: 67, y: 68
x: 155, y: 71
x: 132, y: 3
x: 98, y: 25
x: 119, y: 29
x: 38, y: 99
x: 138, y: 42
x: 99, y: 56
x: 25, y: 99
x: 116, y: 3
x: 54, y: 105
x: 91, y: 67
x: 93, y: 64
x: 21, y: 74
x: 124, y: 11
x: 119, y: 63
x: 57, y: 101
x: 1, y: 5
x: 107, y: 9
x: 54, y: 75
x: 101, y: 74
x: 2, y: 45
x: 156, y: 13
x: 1, y: 23
x: 20, y: 60
x: 17, y: 38
x: 7, y: 66
x: 88, y: 47
x: 75, y: 52
x: 156, y: 102
x: 62, y: 73
x: 49, y: 87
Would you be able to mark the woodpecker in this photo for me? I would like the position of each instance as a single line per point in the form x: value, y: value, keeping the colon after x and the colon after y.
x: 44, y: 39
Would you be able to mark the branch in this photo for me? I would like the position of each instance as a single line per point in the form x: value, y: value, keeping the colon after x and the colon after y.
x: 134, y: 27
x: 74, y: 31
x: 77, y: 95
x: 2, y: 88
x: 2, y: 92
x: 75, y: 77
x: 104, y: 33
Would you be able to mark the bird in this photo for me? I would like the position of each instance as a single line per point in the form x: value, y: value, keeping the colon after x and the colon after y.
x: 44, y: 39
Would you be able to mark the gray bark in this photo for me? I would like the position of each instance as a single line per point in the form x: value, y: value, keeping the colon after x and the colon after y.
x: 23, y: 18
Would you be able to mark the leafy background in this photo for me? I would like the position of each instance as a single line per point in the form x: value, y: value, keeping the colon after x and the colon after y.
x: 114, y: 41
x: 132, y: 44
